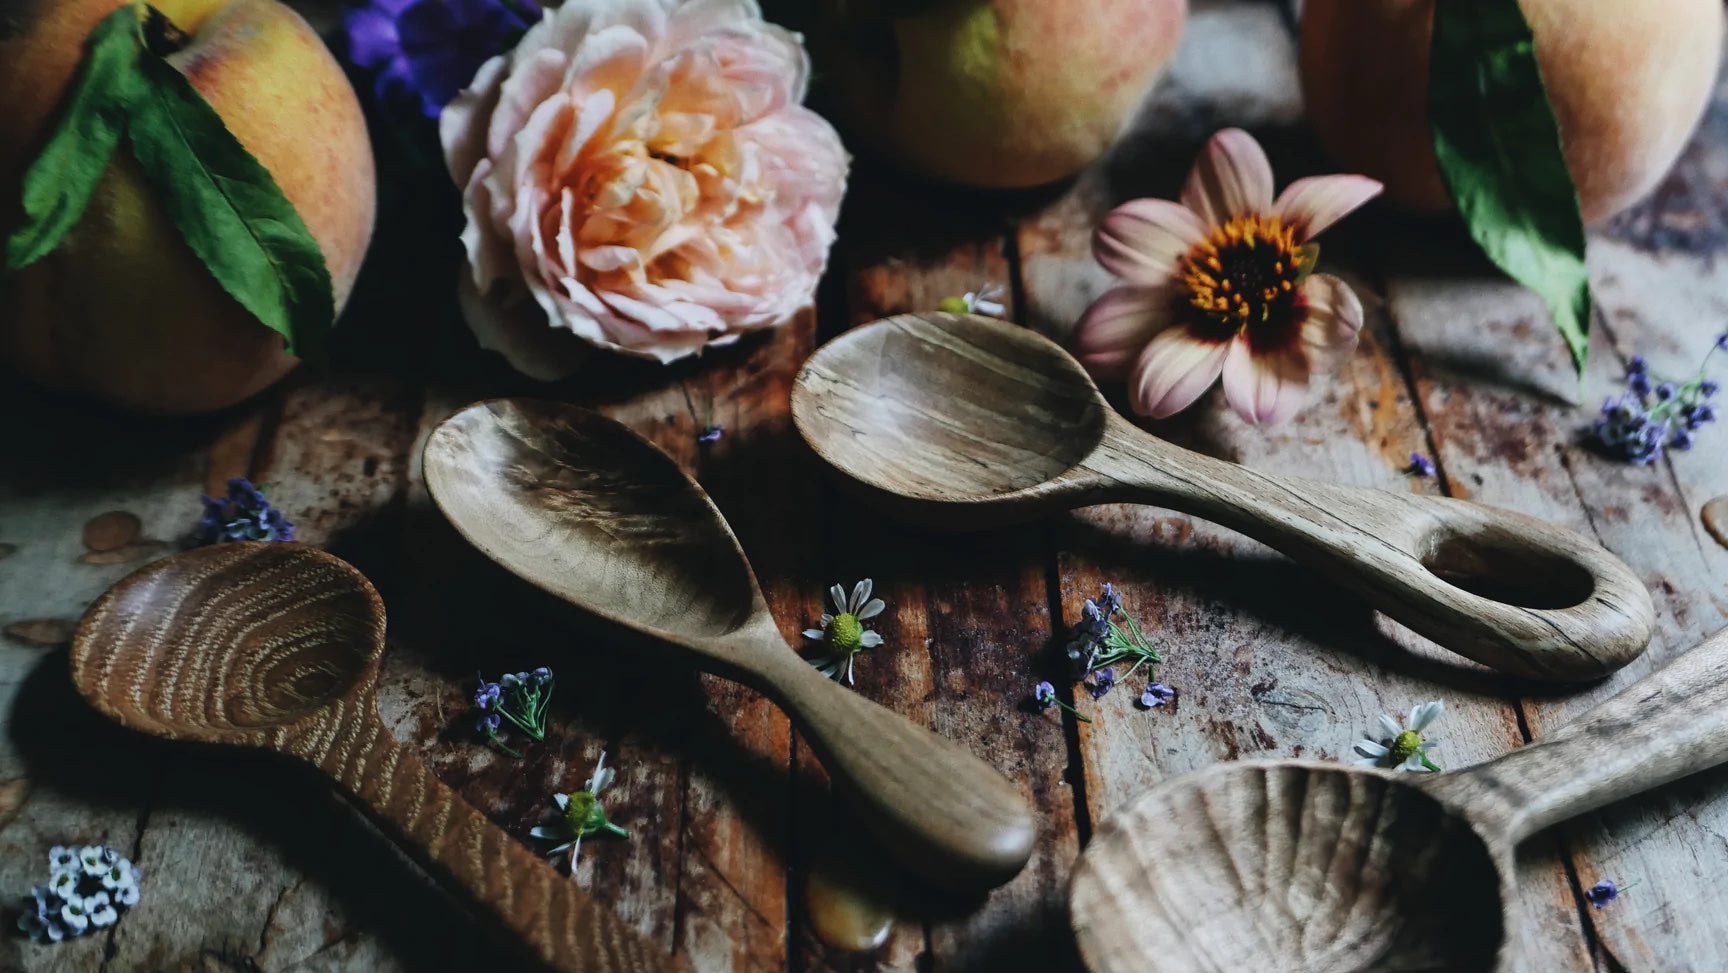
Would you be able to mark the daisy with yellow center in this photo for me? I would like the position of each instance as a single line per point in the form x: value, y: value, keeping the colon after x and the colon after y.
x: 1222, y: 285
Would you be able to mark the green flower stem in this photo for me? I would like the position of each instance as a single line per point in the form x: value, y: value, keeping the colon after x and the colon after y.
x: 492, y: 736
x: 1082, y: 717
x: 527, y: 728
x: 1429, y: 764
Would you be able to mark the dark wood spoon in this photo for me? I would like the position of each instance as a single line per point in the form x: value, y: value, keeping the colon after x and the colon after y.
x: 1307, y: 867
x: 276, y: 646
x: 588, y: 511
x: 959, y: 420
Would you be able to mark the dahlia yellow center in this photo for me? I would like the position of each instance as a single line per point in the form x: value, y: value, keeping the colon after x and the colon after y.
x: 1243, y: 278
x: 846, y: 632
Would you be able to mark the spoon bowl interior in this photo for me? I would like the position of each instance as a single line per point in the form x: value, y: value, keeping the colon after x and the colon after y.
x: 1287, y: 866
x: 945, y: 407
x: 592, y: 513
x: 225, y: 644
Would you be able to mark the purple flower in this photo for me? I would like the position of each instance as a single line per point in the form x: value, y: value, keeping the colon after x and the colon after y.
x: 540, y: 676
x: 711, y: 434
x: 1666, y: 391
x: 487, y: 725
x: 487, y: 695
x: 1421, y: 465
x: 1709, y: 387
x: 1638, y: 382
x: 1156, y: 695
x: 1044, y: 695
x: 1103, y: 681
x: 1722, y: 341
x: 1637, y: 366
x: 1700, y: 414
x: 1604, y: 892
x: 1094, y: 622
x: 243, y: 515
x: 422, y: 52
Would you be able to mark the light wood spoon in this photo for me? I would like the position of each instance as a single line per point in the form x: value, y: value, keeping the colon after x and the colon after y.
x: 962, y: 421
x: 1300, y: 866
x: 585, y: 509
x: 276, y: 646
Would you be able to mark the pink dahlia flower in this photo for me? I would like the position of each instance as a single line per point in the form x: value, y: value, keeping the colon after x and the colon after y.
x: 639, y: 174
x: 1221, y: 284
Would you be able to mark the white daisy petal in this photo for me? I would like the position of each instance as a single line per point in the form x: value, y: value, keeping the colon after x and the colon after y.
x: 827, y: 619
x: 1422, y: 716
x: 860, y: 594
x: 1389, y: 727
x: 870, y: 640
x: 813, y: 633
x: 1414, y: 763
x: 839, y: 595
x: 871, y: 609
x: 1366, y: 761
x: 1368, y: 748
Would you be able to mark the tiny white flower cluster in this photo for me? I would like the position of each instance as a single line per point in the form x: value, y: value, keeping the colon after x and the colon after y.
x: 88, y: 887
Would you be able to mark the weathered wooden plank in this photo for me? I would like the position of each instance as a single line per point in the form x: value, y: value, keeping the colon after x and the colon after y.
x: 1262, y: 671
x: 965, y: 612
x: 1495, y: 380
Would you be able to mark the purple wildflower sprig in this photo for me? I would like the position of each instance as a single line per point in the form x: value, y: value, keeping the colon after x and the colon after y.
x: 520, y: 698
x: 1108, y: 636
x: 1606, y: 891
x: 1655, y: 414
x: 89, y: 887
x: 245, y: 514
x: 1421, y: 467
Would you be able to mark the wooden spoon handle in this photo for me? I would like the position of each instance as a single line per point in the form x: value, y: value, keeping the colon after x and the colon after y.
x: 944, y: 814
x: 1509, y: 591
x: 1664, y: 727
x: 476, y: 860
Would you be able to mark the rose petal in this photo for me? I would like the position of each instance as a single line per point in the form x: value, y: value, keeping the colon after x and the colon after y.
x: 1267, y: 386
x: 518, y: 331
x: 1173, y: 371
x: 1314, y: 203
x: 1143, y: 240
x: 1231, y: 177
x: 1334, y: 323
x: 463, y: 125
x: 1116, y: 328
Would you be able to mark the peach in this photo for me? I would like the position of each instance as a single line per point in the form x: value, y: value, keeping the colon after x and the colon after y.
x: 123, y: 309
x: 1628, y: 82
x: 1003, y: 93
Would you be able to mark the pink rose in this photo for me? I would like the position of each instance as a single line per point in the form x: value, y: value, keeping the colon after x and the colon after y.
x: 643, y: 171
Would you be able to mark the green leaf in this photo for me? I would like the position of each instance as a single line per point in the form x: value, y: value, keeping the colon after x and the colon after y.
x: 58, y: 185
x: 1499, y: 150
x: 231, y: 212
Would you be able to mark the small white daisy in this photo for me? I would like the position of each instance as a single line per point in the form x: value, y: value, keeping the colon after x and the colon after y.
x: 844, y: 630
x: 62, y: 859
x: 64, y: 884
x: 1402, y: 747
x: 981, y: 301
x: 580, y: 815
x: 96, y: 859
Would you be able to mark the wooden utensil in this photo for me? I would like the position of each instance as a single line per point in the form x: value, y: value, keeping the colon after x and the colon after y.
x: 276, y: 646
x: 585, y: 509
x: 1302, y: 866
x: 959, y: 420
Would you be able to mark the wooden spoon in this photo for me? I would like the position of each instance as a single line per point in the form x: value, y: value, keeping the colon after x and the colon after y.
x: 585, y: 509
x: 960, y: 420
x: 1301, y: 866
x: 276, y: 646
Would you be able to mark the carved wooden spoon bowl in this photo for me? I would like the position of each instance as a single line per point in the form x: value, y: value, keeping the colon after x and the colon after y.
x: 585, y: 509
x: 1301, y: 867
x: 276, y: 646
x: 959, y: 420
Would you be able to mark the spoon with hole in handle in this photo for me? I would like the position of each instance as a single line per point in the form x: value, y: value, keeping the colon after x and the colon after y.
x: 959, y: 420
x: 276, y: 646
x: 1301, y: 867
x: 586, y: 510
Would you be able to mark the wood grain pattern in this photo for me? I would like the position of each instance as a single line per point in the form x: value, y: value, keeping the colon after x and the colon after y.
x: 978, y: 420
x: 276, y: 646
x: 581, y: 507
x: 1304, y: 867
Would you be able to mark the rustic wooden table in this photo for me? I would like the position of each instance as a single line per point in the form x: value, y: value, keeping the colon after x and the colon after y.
x: 249, y: 864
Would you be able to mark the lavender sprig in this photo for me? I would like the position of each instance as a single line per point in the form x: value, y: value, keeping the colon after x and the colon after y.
x: 1654, y: 415
x: 520, y: 698
x: 1105, y: 637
